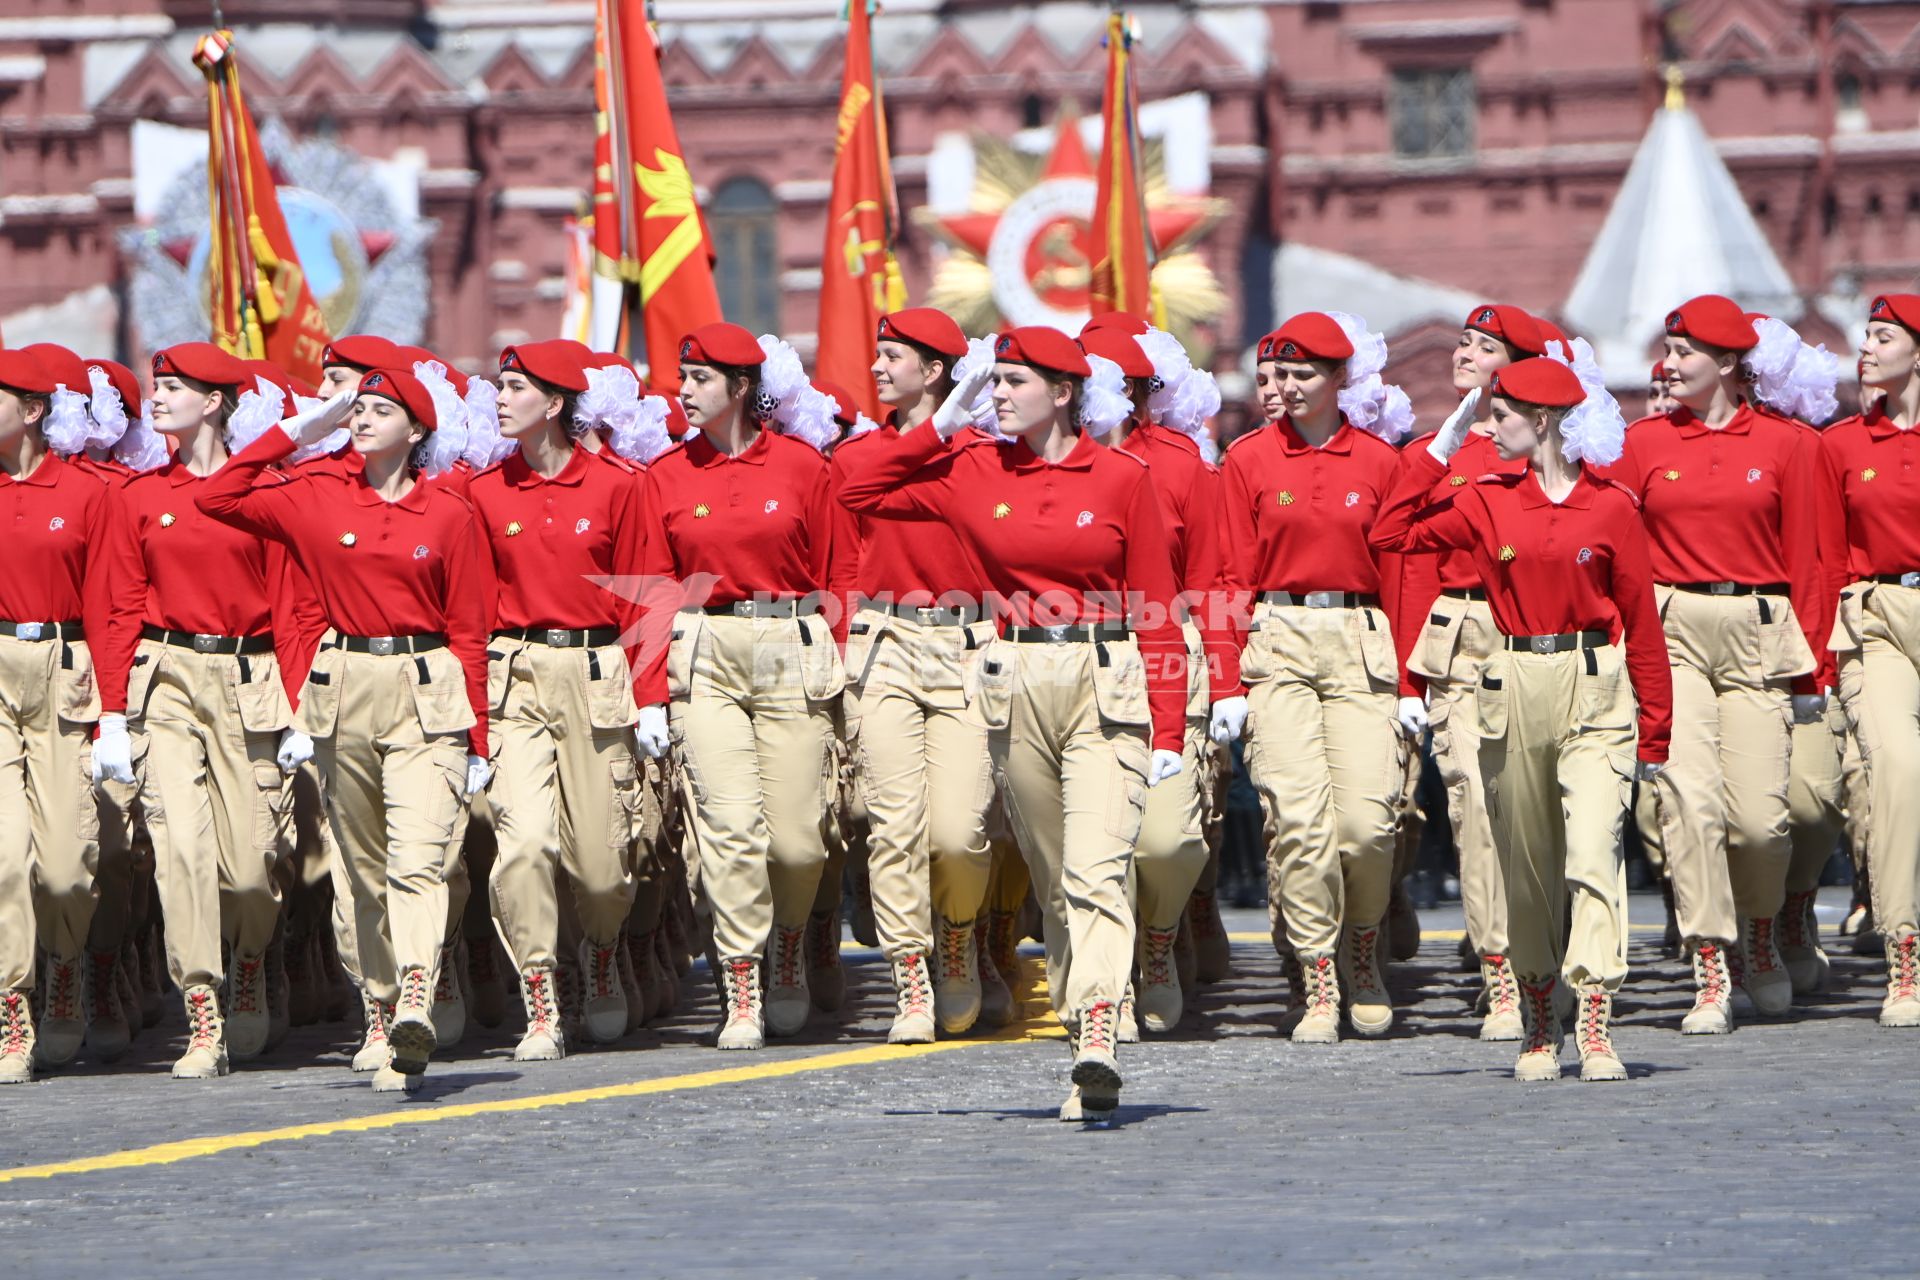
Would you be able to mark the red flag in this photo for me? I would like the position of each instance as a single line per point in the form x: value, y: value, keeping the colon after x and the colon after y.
x: 647, y: 228
x: 262, y: 307
x: 859, y: 279
x: 1123, y: 255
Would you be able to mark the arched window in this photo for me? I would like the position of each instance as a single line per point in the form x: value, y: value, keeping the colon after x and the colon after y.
x: 747, y: 266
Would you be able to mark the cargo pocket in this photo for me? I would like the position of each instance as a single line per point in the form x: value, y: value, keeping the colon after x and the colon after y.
x: 259, y: 695
x: 1376, y: 648
x: 499, y: 676
x: 146, y: 665
x: 990, y: 691
x: 320, y: 696
x: 1439, y: 639
x: 694, y: 789
x: 1197, y: 684
x: 1120, y: 684
x: 610, y: 702
x: 273, y: 792
x: 1490, y: 701
x: 1784, y: 652
x: 440, y: 693
x: 624, y: 817
x: 680, y: 650
x: 1127, y: 795
x: 1255, y: 665
x: 863, y: 634
x: 821, y: 676
x: 76, y: 697
x: 1604, y: 694
x: 1848, y: 634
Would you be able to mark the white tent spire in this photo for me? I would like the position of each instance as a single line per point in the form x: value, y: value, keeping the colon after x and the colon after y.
x: 1679, y: 227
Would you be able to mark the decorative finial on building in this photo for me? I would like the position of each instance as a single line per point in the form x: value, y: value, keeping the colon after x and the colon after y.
x: 1676, y: 87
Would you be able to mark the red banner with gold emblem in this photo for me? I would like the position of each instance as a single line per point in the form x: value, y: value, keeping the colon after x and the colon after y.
x: 1122, y: 256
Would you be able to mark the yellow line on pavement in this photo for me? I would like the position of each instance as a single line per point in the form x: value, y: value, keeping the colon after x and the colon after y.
x: 1434, y: 935
x: 1040, y: 1028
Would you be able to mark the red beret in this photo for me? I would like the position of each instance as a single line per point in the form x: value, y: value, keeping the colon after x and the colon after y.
x: 677, y: 424
x: 362, y: 351
x: 1659, y: 373
x: 202, y: 362
x: 1538, y: 380
x: 721, y: 343
x: 1042, y: 348
x: 401, y: 387
x: 415, y: 355
x: 68, y: 369
x: 554, y: 363
x: 1119, y: 347
x: 1714, y: 320
x: 1509, y: 324
x: 844, y: 407
x: 1551, y: 332
x: 272, y: 373
x: 1901, y: 308
x: 924, y: 327
x: 124, y: 384
x: 1118, y: 321
x: 605, y: 360
x: 1311, y: 335
x: 21, y: 372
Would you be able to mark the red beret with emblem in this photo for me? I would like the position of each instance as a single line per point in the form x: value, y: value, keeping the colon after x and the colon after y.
x: 22, y: 373
x: 721, y: 343
x: 1509, y: 324
x: 845, y: 410
x: 1117, y: 321
x: 1538, y: 380
x: 401, y: 387
x: 924, y: 327
x: 1901, y: 308
x: 555, y: 363
x: 124, y: 384
x: 202, y: 362
x: 1118, y: 346
x: 1311, y: 335
x: 362, y: 351
x: 1042, y: 348
x: 1715, y: 320
x: 68, y: 369
x: 1659, y: 373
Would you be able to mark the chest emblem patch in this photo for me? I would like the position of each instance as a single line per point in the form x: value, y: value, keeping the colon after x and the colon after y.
x: 514, y: 528
x: 1084, y: 519
x: 1353, y: 499
x: 581, y: 526
x: 1001, y: 511
x: 1286, y: 498
x: 1670, y: 475
x: 1456, y: 481
x: 167, y: 519
x: 1868, y: 474
x: 420, y: 553
x: 773, y: 505
x: 349, y: 538
x: 1586, y: 554
x: 1507, y: 552
x: 1753, y: 475
x: 57, y: 523
x: 701, y: 511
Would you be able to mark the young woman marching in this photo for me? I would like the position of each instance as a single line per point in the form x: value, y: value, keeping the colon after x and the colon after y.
x: 1871, y: 468
x: 395, y: 702
x: 1083, y: 694
x: 52, y: 596
x: 739, y: 517
x: 1172, y: 851
x: 920, y: 761
x: 1729, y: 496
x: 190, y: 662
x: 1446, y: 598
x: 1564, y: 558
x: 561, y: 523
x: 1331, y: 706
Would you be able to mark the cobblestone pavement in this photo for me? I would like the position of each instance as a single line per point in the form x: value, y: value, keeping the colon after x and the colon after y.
x: 1782, y: 1151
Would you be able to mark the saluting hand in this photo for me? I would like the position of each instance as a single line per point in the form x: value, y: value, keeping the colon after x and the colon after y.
x: 956, y: 411
x: 311, y: 426
x: 1453, y: 432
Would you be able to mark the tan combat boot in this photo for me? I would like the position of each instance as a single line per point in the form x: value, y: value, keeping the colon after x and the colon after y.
x: 411, y: 1032
x: 16, y: 1038
x: 1502, y: 1020
x: 1799, y: 933
x: 605, y: 1009
x: 206, y: 1055
x: 246, y: 1008
x: 1540, y: 1048
x: 1593, y: 1018
x: 450, y: 997
x: 63, y: 1018
x: 1901, y: 1008
x: 996, y: 997
x: 1096, y: 1069
x: 1320, y: 989
x: 913, y: 1001
x: 788, y: 1002
x: 638, y: 994
x: 108, y: 1031
x: 1158, y: 993
x: 374, y: 1050
x: 741, y: 1016
x: 826, y: 977
x: 956, y: 975
x: 1763, y: 972
x: 1369, y: 1007
x: 1212, y: 952
x: 1712, y: 1012
x: 543, y: 1040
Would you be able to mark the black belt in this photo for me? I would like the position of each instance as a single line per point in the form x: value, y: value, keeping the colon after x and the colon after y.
x: 43, y: 630
x: 1465, y: 593
x: 1072, y: 633
x: 382, y: 646
x: 1558, y: 644
x: 1320, y: 599
x: 927, y: 615
x: 200, y: 643
x: 1731, y: 588
x: 562, y: 638
x: 1893, y: 579
x: 800, y: 608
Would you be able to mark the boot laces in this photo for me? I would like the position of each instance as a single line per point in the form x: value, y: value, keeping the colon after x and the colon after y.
x: 788, y: 945
x: 1364, y: 945
x: 1158, y: 964
x: 1006, y: 951
x: 1710, y: 963
x: 1794, y: 919
x: 15, y: 1026
x: 824, y: 943
x: 1320, y: 981
x: 1505, y: 997
x: 1539, y: 1016
x: 540, y: 999
x: 1762, y: 946
x: 915, y: 993
x: 953, y: 951
x: 739, y: 981
x: 63, y: 990
x: 413, y: 989
x: 446, y: 988
x: 378, y: 1014
x: 245, y: 983
x: 603, y: 973
x: 1096, y: 1026
x: 1594, y: 1034
x: 100, y: 984
x: 202, y: 1010
x: 1200, y: 915
x: 1906, y: 967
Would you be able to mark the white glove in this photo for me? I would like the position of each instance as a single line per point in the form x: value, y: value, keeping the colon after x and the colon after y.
x: 1165, y: 765
x: 1453, y: 432
x: 956, y: 411
x: 311, y: 426
x: 112, y: 751
x: 1648, y: 770
x: 1229, y: 720
x: 650, y: 734
x: 479, y: 773
x: 1809, y: 707
x: 1412, y: 715
x: 296, y: 748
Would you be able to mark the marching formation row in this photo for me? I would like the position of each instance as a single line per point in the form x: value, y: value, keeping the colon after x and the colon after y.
x: 652, y: 669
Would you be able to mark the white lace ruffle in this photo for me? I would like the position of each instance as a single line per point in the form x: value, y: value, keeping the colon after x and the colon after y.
x: 446, y: 444
x: 1369, y: 403
x: 485, y: 444
x: 1593, y: 431
x: 797, y: 407
x: 1103, y: 397
x: 1186, y: 397
x: 861, y: 425
x: 141, y: 448
x: 257, y: 412
x: 66, y: 427
x: 109, y: 415
x: 1792, y: 377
